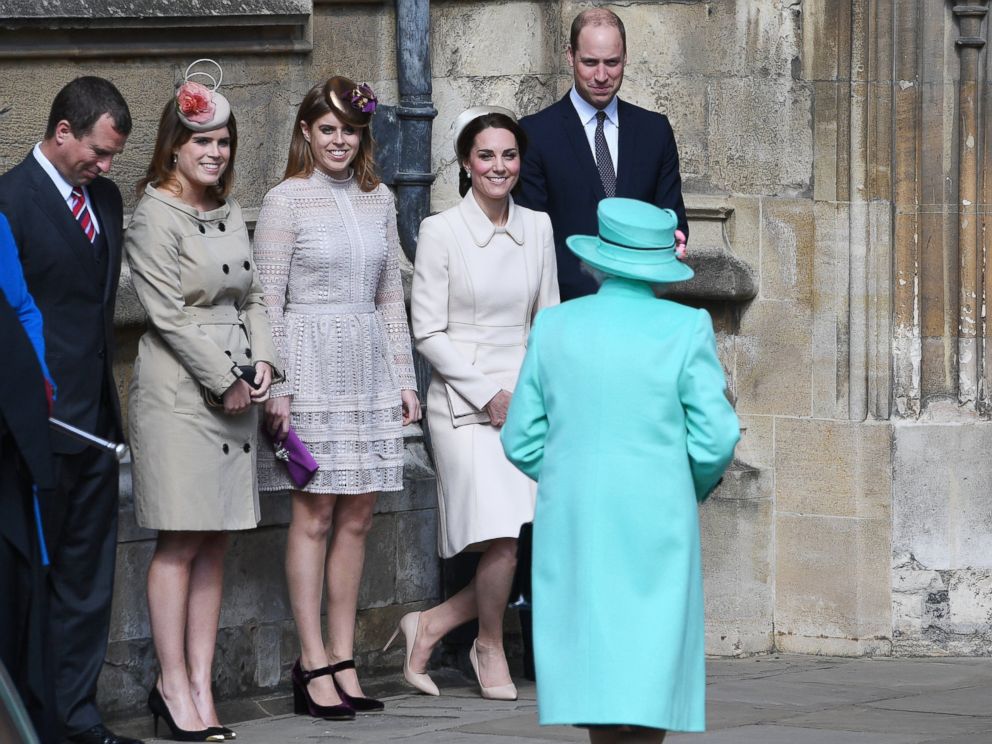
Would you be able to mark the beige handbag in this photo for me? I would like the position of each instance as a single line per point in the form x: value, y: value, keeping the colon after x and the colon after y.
x: 463, y: 412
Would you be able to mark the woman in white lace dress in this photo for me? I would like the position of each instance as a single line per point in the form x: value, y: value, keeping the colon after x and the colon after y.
x: 327, y: 248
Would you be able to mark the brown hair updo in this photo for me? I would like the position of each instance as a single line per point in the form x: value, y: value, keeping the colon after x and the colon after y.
x: 173, y: 134
x: 333, y: 97
x: 463, y: 145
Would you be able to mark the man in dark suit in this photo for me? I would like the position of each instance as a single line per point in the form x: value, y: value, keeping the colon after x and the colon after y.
x: 590, y: 145
x: 25, y: 463
x: 66, y: 219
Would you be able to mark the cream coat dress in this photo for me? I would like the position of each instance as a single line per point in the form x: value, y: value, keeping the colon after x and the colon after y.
x: 194, y: 466
x: 476, y: 290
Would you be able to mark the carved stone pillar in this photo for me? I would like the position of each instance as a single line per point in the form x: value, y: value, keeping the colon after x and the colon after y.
x: 905, y: 197
x: 969, y: 44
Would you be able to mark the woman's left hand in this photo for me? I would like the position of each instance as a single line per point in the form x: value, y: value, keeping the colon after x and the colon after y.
x: 497, y: 408
x: 263, y: 378
x: 411, y: 406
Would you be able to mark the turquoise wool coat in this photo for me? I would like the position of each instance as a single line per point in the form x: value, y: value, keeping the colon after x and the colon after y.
x: 621, y: 416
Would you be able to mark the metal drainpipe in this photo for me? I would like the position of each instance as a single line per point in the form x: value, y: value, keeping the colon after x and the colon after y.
x: 415, y: 114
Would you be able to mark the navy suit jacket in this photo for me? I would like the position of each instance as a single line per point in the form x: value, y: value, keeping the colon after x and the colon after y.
x: 559, y: 176
x: 73, y: 289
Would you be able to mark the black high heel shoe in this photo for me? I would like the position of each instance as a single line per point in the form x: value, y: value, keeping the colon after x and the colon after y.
x: 358, y: 704
x: 303, y: 703
x: 158, y: 708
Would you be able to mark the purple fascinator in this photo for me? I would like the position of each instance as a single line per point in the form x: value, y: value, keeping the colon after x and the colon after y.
x: 363, y: 98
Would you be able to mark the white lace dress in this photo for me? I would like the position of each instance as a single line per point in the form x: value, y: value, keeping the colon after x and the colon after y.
x: 328, y: 258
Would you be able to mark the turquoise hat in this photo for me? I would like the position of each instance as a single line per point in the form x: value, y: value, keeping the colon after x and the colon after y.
x: 636, y: 241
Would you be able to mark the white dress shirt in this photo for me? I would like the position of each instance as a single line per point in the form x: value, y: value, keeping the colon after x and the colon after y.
x: 587, y: 115
x: 64, y: 187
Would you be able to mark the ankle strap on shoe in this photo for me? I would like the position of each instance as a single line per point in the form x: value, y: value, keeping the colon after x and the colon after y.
x: 342, y: 666
x: 307, y: 676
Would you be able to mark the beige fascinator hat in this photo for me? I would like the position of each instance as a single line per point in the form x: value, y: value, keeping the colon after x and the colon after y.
x: 465, y: 118
x: 202, y: 108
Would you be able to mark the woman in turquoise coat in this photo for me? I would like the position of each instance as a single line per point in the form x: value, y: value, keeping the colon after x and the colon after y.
x: 621, y: 415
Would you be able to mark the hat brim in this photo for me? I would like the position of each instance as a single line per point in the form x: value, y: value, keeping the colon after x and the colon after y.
x: 656, y: 266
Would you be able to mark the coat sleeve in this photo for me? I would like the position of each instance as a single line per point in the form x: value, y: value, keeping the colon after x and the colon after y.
x: 526, y: 428
x: 389, y: 301
x: 533, y: 179
x: 429, y: 311
x: 153, y: 252
x: 273, y: 245
x: 668, y: 188
x: 711, y: 423
x: 15, y: 288
x: 548, y: 294
x: 263, y: 348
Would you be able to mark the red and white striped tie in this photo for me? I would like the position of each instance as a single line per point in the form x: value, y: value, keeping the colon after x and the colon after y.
x: 81, y: 213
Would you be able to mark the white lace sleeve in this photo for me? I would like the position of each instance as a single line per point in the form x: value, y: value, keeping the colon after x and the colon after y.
x: 389, y: 301
x: 275, y: 238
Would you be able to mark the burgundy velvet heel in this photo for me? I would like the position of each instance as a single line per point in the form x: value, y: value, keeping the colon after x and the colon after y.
x: 358, y: 704
x: 303, y: 703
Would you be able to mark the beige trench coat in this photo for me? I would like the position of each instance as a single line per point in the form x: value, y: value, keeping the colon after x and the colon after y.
x: 476, y: 290
x: 193, y: 466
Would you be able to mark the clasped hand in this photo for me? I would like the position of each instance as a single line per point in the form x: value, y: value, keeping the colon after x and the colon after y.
x: 239, y: 397
x: 497, y: 408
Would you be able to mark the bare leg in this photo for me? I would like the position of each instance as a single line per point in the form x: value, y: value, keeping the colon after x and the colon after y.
x: 306, y: 550
x: 168, y: 599
x: 205, y: 588
x: 487, y: 593
x: 627, y: 735
x: 493, y: 580
x: 345, y: 561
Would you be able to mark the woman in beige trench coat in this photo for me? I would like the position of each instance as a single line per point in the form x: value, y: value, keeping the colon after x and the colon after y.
x: 194, y: 465
x: 484, y: 269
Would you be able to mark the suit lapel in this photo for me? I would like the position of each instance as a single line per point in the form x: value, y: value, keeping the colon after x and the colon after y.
x: 576, y: 135
x: 51, y: 203
x: 112, y: 235
x: 626, y: 147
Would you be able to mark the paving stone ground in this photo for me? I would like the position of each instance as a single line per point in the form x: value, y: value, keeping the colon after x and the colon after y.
x: 759, y: 700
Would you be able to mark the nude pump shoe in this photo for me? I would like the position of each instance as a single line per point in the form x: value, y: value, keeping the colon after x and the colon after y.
x: 496, y: 692
x: 409, y: 624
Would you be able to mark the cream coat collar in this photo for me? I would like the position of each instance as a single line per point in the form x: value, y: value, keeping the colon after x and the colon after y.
x: 480, y: 227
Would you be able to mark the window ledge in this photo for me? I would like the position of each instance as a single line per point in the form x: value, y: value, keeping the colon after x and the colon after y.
x: 77, y: 29
x: 720, y: 275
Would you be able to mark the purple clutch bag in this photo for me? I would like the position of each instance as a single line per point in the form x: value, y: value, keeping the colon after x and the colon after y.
x: 299, y: 462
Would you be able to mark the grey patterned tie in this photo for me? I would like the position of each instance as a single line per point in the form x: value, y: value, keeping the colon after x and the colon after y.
x: 603, y: 160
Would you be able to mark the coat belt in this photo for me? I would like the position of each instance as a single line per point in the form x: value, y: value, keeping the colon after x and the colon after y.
x: 486, y: 334
x: 216, y: 315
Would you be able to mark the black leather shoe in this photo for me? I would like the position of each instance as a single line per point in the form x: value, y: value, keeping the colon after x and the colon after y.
x: 100, y: 734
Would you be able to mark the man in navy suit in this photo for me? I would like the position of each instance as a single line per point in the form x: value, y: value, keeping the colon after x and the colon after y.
x: 66, y: 219
x: 590, y: 145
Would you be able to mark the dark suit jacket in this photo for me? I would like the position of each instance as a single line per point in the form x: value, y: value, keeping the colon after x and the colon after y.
x: 559, y: 176
x: 24, y: 419
x: 75, y: 296
x: 25, y: 457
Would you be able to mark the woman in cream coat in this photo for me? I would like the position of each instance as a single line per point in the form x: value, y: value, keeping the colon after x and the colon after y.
x: 484, y: 268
